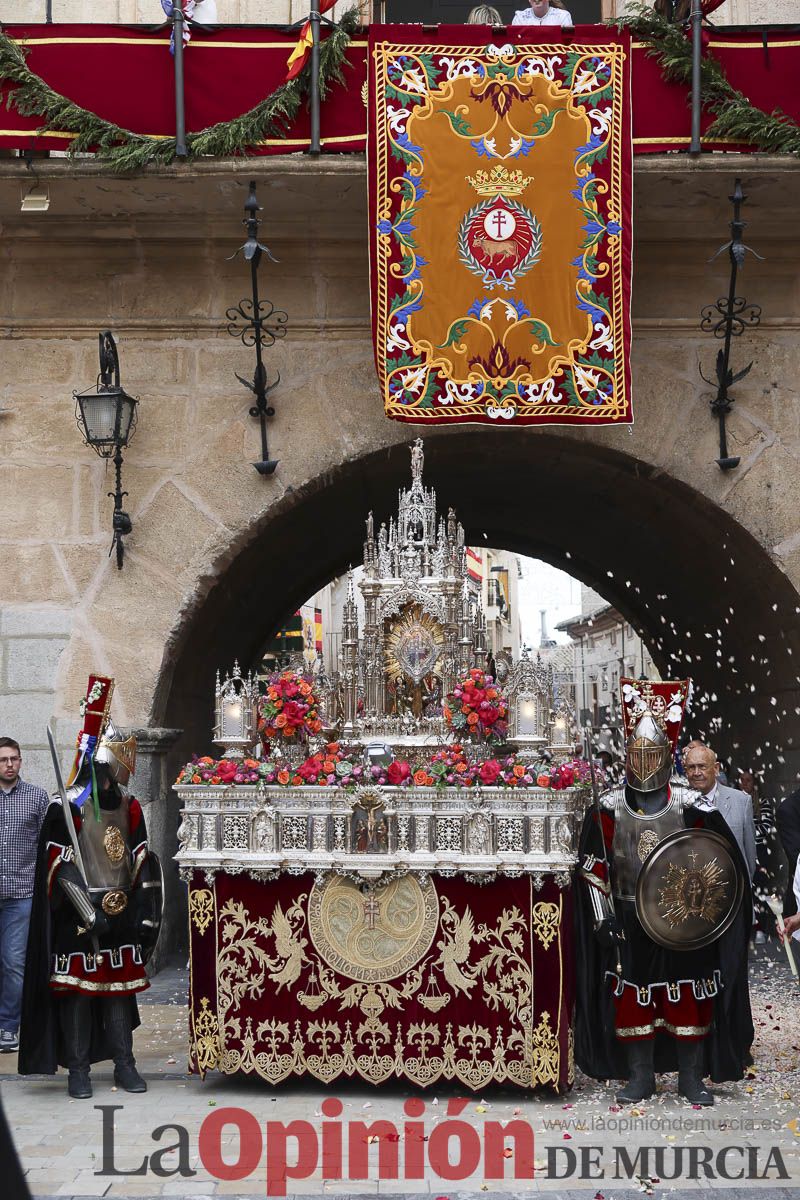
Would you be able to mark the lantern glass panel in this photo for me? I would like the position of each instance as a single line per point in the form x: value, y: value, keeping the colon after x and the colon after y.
x: 527, y: 717
x: 107, y: 418
x: 232, y: 717
x: 99, y: 417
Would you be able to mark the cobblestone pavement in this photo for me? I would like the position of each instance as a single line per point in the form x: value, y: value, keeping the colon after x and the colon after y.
x: 584, y: 1145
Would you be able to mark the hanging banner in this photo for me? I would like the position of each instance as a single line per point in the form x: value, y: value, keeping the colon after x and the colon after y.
x: 500, y: 211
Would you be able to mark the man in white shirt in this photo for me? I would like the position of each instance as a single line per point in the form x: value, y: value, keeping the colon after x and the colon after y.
x: 542, y: 12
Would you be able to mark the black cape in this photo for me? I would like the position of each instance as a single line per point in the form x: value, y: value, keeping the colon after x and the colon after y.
x: 598, y: 1052
x: 41, y: 1049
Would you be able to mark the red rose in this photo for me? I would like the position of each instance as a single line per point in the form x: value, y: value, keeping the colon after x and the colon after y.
x: 398, y: 773
x: 489, y: 771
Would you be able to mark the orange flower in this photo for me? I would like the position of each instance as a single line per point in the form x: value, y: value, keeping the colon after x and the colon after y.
x: 332, y: 747
x: 491, y: 694
x: 251, y: 764
x: 328, y: 766
x: 206, y: 761
x: 216, y: 779
x: 280, y: 720
x: 305, y: 688
x: 196, y: 779
x: 283, y: 776
x: 448, y: 715
x: 472, y: 719
x: 465, y: 709
x: 297, y: 780
x: 519, y: 770
x: 421, y: 777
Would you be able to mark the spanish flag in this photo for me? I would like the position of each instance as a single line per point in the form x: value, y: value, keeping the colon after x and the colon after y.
x: 299, y: 56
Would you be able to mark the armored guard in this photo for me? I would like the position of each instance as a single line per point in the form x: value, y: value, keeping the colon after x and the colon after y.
x: 663, y: 920
x: 96, y: 914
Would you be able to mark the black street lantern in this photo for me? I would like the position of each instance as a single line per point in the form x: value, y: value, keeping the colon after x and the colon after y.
x: 259, y: 324
x: 106, y: 417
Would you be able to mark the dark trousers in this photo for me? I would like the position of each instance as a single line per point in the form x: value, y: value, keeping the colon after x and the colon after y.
x: 75, y: 1015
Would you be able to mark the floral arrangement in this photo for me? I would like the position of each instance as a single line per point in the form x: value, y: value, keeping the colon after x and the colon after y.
x: 289, y: 710
x: 335, y: 766
x: 476, y: 708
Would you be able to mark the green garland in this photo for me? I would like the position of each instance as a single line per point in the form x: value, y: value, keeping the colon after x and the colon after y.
x: 124, y: 150
x: 737, y: 118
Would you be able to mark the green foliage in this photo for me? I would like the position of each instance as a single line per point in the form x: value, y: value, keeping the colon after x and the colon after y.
x: 458, y: 123
x: 545, y: 123
x: 736, y: 117
x: 541, y: 332
x: 455, y: 332
x: 125, y: 151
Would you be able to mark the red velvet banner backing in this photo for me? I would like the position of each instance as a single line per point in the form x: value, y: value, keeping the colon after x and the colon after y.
x: 125, y: 74
x: 417, y: 981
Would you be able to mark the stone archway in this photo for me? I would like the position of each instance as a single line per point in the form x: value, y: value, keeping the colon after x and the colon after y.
x: 710, y: 600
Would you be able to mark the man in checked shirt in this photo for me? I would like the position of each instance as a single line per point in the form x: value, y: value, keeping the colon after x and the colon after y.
x: 22, y: 810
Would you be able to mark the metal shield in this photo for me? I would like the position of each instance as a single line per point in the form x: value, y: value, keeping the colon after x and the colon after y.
x: 689, y: 890
x: 150, y: 899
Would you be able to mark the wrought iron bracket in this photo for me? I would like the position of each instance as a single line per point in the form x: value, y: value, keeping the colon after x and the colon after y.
x: 726, y: 319
x: 260, y: 324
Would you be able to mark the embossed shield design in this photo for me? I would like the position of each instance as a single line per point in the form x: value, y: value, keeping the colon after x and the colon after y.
x: 689, y: 890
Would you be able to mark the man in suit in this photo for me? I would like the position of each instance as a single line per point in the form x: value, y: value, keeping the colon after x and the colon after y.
x: 787, y: 818
x: 702, y: 774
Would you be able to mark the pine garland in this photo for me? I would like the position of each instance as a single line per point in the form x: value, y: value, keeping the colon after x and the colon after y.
x: 737, y: 118
x: 123, y: 150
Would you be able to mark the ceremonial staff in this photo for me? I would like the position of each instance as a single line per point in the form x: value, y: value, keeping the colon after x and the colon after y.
x: 598, y: 812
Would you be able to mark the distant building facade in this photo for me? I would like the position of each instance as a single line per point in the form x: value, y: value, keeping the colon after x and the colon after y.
x: 605, y: 648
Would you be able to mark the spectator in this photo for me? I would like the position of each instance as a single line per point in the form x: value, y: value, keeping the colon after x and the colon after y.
x: 484, y: 14
x: 787, y: 818
x: 702, y: 774
x: 22, y: 810
x: 544, y: 12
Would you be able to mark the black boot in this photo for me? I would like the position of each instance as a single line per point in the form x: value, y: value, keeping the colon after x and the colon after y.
x: 690, y: 1073
x: 75, y: 1016
x: 119, y: 1033
x: 642, y: 1082
x: 79, y: 1085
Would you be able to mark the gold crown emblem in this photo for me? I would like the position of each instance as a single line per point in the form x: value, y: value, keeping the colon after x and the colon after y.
x: 499, y: 182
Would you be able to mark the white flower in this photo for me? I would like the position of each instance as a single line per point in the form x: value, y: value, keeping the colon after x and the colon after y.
x: 603, y: 340
x: 600, y: 118
x: 395, y: 339
x: 455, y: 391
x: 542, y: 393
x: 505, y: 413
x: 503, y: 51
x: 413, y: 80
x: 397, y: 118
x: 458, y: 67
x: 674, y: 713
x: 630, y: 693
x: 586, y: 82
x: 414, y: 380
x: 586, y: 380
x: 541, y: 66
